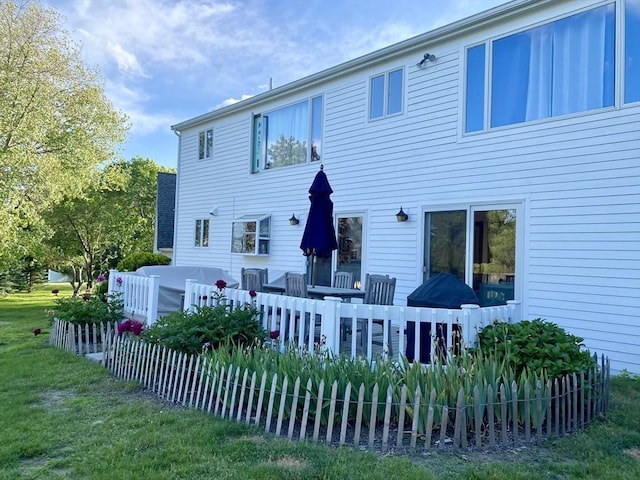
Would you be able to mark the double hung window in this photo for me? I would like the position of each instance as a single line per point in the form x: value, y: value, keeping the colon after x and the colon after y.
x: 289, y: 135
x: 558, y: 68
x: 205, y: 144
x: 386, y: 94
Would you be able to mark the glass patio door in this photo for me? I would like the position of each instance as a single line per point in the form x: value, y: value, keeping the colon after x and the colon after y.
x: 348, y: 256
x: 477, y: 245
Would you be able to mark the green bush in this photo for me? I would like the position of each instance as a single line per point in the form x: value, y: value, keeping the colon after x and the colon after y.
x: 535, y: 345
x: 101, y: 289
x: 207, y: 327
x: 88, y: 309
x: 142, y: 259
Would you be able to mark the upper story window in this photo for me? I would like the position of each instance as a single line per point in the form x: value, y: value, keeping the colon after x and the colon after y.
x: 289, y: 135
x: 386, y: 94
x: 632, y: 51
x: 562, y: 67
x: 205, y: 144
x: 201, y: 233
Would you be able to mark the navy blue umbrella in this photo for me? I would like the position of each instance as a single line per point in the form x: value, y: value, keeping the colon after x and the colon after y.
x: 319, y: 238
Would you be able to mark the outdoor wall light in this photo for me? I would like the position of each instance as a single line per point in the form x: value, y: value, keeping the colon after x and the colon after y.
x: 427, y: 58
x: 293, y: 220
x: 215, y: 211
x: 401, y: 216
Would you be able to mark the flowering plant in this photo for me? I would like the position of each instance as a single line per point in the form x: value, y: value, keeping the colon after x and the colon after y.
x: 130, y: 325
x: 101, y: 278
x: 119, y: 281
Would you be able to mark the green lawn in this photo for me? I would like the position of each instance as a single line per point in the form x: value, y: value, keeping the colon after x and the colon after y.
x: 63, y: 417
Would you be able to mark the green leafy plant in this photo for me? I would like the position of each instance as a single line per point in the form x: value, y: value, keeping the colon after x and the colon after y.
x: 535, y: 345
x: 142, y: 259
x: 87, y: 308
x: 208, y: 327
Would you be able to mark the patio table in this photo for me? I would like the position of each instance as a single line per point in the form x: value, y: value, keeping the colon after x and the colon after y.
x: 319, y: 291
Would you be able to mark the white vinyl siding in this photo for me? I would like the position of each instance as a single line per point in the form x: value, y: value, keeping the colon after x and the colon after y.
x: 577, y: 177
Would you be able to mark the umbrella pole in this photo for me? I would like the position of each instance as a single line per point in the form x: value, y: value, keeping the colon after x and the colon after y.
x: 313, y: 270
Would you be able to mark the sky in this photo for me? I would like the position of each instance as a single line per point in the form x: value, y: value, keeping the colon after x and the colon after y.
x: 166, y: 61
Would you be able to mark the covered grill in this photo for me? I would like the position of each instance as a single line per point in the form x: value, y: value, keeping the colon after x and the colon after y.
x: 443, y: 290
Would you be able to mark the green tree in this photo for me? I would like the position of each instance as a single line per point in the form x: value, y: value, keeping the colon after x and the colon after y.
x: 56, y: 125
x: 287, y: 151
x: 112, y: 218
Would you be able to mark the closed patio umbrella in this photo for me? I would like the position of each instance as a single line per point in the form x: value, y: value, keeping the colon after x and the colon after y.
x: 319, y: 238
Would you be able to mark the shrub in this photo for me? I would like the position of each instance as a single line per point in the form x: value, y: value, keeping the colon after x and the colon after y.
x: 87, y: 309
x: 101, y: 289
x: 207, y: 327
x: 142, y: 259
x: 535, y: 345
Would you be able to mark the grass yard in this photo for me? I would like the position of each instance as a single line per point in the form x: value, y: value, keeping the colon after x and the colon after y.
x: 63, y: 417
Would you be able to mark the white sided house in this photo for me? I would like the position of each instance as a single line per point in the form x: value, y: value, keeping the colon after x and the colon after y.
x: 511, y: 139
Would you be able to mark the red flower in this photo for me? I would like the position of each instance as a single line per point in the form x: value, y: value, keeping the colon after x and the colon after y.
x: 86, y: 297
x: 37, y: 331
x: 130, y: 325
x: 275, y: 334
x: 252, y: 293
x: 221, y: 284
x: 55, y: 291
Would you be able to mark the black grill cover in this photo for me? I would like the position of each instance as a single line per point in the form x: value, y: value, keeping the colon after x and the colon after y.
x: 443, y: 290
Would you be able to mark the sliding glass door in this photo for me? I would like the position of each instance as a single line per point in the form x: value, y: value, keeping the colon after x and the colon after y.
x: 476, y: 244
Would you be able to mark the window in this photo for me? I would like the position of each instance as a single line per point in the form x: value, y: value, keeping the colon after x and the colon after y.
x: 289, y: 135
x: 202, y: 233
x: 251, y: 235
x: 632, y: 51
x: 562, y: 67
x: 477, y: 245
x: 348, y: 255
x: 205, y: 144
x: 386, y: 94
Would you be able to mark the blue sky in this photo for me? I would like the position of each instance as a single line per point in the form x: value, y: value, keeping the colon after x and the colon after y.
x: 165, y: 61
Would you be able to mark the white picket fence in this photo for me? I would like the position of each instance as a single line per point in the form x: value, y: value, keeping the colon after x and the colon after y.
x: 82, y: 339
x: 506, y: 415
x: 354, y: 328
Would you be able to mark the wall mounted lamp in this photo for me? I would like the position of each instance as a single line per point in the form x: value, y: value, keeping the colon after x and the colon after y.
x: 293, y: 220
x: 215, y: 211
x: 428, y: 57
x: 401, y: 216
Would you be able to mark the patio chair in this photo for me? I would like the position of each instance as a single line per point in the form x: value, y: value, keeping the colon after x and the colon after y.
x: 343, y: 280
x: 254, y: 278
x: 379, y: 290
x: 295, y: 285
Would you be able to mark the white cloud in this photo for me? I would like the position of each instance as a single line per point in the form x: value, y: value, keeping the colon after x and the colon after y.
x: 231, y: 101
x: 127, y: 61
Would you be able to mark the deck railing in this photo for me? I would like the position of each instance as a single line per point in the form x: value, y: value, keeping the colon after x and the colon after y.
x: 359, y: 329
x: 139, y: 294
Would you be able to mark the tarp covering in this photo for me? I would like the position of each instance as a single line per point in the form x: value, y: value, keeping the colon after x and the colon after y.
x: 443, y: 290
x: 172, y: 280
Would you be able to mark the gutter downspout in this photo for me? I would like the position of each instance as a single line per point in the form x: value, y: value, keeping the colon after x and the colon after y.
x: 175, y: 205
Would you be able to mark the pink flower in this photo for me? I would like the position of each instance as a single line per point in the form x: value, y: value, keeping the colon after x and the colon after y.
x: 119, y: 281
x: 252, y: 293
x: 130, y: 325
x: 101, y: 278
x: 275, y: 334
x: 86, y: 297
x: 221, y: 284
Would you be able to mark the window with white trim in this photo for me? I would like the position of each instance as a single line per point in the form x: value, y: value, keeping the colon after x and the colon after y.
x: 205, y: 144
x: 288, y: 135
x: 632, y: 51
x: 201, y: 237
x: 558, y: 68
x: 386, y: 94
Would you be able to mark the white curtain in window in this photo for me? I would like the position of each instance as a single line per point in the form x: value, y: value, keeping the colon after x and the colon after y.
x: 567, y: 65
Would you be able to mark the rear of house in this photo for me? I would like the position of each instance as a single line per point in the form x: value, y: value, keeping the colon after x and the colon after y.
x: 511, y: 139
